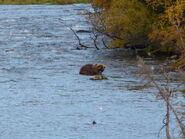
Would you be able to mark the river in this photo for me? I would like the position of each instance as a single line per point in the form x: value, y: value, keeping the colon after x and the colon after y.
x: 42, y: 95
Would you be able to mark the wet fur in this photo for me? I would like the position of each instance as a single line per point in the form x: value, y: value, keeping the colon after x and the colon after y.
x: 92, y: 69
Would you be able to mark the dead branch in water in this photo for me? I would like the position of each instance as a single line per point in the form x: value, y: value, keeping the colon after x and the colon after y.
x: 105, y: 45
x: 78, y: 38
x: 79, y: 41
x: 94, y: 38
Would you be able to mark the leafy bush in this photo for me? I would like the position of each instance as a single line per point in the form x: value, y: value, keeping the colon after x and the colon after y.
x: 128, y: 22
x: 157, y: 24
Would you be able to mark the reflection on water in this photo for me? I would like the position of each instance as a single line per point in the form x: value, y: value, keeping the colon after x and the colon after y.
x: 42, y: 94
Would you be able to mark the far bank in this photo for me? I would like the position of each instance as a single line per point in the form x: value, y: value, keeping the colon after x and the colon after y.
x: 27, y: 2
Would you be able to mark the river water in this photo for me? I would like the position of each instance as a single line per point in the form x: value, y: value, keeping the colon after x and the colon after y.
x: 42, y: 95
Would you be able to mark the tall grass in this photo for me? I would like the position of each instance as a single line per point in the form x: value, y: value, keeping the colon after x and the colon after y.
x: 22, y: 2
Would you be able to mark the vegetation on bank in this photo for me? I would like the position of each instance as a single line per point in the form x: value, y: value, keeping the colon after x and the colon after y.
x: 156, y: 25
x: 24, y: 2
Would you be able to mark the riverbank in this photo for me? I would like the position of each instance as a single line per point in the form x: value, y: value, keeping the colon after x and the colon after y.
x: 155, y: 27
x: 27, y: 2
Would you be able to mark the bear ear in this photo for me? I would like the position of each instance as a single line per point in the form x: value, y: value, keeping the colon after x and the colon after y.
x: 100, y: 66
x: 104, y: 66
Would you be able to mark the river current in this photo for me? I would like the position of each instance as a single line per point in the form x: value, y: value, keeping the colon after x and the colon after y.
x: 42, y: 95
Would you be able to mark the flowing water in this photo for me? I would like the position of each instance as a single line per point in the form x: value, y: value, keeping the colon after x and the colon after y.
x: 42, y: 95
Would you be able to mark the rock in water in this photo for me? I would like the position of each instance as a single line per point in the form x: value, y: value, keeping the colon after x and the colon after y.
x: 94, y: 122
x: 98, y: 77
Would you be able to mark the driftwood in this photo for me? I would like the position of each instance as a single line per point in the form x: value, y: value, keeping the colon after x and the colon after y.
x: 83, y: 31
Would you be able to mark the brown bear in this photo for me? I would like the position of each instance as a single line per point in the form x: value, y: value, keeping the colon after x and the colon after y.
x: 92, y: 69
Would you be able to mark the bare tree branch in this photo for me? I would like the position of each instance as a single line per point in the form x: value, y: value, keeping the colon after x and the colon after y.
x: 104, y: 43
x: 166, y: 95
x: 94, y: 38
x: 79, y: 41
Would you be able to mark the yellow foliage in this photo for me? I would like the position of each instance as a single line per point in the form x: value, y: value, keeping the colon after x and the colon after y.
x: 166, y: 39
x: 157, y: 23
x: 116, y: 43
x: 163, y: 3
x: 171, y: 31
x: 127, y: 21
x: 175, y: 13
x: 101, y: 3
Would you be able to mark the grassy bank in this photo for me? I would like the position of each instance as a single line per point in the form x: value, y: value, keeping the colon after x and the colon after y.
x: 22, y: 2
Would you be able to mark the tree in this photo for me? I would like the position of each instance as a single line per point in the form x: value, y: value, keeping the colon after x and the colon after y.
x: 159, y: 25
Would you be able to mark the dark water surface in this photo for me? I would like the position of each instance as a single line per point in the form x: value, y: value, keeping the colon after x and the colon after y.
x: 42, y: 96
